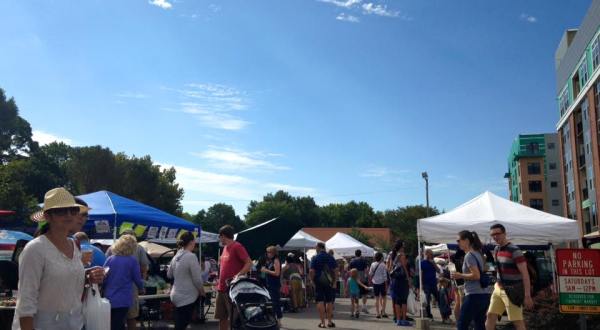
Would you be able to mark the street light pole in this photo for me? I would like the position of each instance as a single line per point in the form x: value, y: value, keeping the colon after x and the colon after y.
x: 426, y: 177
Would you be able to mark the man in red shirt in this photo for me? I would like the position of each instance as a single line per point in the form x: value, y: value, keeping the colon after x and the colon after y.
x: 234, y: 262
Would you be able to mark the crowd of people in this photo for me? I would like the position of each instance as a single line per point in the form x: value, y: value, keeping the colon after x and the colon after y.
x: 61, y: 262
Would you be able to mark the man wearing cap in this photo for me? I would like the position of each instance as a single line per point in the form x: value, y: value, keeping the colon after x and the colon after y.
x: 142, y: 258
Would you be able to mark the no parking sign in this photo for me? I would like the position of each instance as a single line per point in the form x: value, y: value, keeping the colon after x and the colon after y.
x: 579, y: 280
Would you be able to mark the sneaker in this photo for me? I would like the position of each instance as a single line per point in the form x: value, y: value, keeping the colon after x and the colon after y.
x: 365, y: 309
x: 385, y: 316
x: 407, y: 324
x: 378, y: 316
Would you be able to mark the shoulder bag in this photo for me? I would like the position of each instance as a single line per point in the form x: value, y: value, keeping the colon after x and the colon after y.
x: 514, y: 291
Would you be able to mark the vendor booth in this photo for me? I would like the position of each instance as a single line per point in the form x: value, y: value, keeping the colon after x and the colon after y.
x: 525, y: 226
x: 276, y: 232
x: 111, y: 213
x: 346, y: 245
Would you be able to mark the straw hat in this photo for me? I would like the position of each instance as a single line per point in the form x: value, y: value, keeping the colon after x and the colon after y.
x: 57, y: 198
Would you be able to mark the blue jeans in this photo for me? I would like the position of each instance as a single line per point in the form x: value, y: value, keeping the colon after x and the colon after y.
x: 474, y: 308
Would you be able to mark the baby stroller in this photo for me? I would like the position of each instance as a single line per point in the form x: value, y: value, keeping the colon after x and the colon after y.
x: 252, y: 307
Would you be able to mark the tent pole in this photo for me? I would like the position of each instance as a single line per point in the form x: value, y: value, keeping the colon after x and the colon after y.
x: 554, y: 274
x: 305, y: 278
x: 420, y: 273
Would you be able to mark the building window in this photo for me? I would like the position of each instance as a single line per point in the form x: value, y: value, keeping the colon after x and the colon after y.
x: 534, y: 168
x: 595, y: 54
x: 552, y: 166
x: 533, y: 148
x: 551, y: 145
x: 583, y: 73
x: 536, y: 204
x: 553, y: 184
x: 555, y: 202
x: 535, y: 186
x: 563, y: 102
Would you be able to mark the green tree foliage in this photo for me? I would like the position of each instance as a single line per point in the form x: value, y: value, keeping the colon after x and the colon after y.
x: 299, y: 210
x: 27, y: 171
x: 351, y: 214
x: 15, y: 132
x: 219, y: 215
x: 360, y: 236
x: 403, y: 223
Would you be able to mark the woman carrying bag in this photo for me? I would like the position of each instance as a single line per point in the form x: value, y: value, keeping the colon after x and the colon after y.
x: 51, y: 274
x: 187, y: 280
x: 477, y: 294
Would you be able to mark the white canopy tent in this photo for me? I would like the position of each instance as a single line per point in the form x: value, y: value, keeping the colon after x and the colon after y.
x: 312, y: 252
x: 346, y: 245
x: 301, y: 240
x: 524, y: 225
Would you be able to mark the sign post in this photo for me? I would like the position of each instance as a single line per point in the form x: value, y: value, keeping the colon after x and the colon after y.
x: 578, y: 280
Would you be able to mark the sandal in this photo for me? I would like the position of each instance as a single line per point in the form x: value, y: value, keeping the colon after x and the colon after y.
x: 321, y: 325
x: 331, y: 325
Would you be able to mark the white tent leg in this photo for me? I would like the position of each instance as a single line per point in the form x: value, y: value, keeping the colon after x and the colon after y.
x: 305, y: 278
x: 418, y: 264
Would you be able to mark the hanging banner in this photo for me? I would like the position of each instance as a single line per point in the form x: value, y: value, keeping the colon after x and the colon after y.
x: 172, y: 233
x: 152, y: 231
x: 102, y: 226
x: 139, y: 230
x: 163, y: 232
x: 579, y: 280
x: 125, y: 226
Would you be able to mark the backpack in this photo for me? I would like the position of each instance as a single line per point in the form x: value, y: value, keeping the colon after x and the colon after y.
x: 325, y: 278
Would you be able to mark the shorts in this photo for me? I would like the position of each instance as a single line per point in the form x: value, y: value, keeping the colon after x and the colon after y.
x: 500, y: 302
x: 223, y: 306
x: 400, y: 296
x: 379, y: 290
x: 134, y: 310
x: 325, y: 294
x: 355, y: 296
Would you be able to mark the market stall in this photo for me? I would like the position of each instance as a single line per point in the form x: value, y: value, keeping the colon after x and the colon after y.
x: 346, y: 245
x: 276, y: 232
x: 111, y: 213
x: 525, y: 226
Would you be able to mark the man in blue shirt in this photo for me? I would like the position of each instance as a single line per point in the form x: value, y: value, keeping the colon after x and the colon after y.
x: 429, y: 272
x: 98, y: 257
x: 324, y: 274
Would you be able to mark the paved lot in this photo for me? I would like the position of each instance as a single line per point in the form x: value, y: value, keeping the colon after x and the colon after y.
x: 309, y: 319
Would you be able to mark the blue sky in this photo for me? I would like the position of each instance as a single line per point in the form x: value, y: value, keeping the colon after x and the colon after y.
x: 341, y: 100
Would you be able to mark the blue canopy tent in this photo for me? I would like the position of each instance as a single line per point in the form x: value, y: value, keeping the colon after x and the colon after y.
x: 111, y: 213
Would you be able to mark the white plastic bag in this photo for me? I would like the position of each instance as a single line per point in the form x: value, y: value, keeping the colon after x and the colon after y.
x: 96, y: 310
x: 411, y: 304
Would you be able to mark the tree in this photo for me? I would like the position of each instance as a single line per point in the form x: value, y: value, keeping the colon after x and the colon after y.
x: 15, y: 132
x: 298, y: 210
x: 403, y: 223
x: 360, y: 236
x: 351, y: 214
x: 219, y: 215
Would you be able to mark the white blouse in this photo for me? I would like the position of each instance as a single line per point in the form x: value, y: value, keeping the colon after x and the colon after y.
x: 50, y: 286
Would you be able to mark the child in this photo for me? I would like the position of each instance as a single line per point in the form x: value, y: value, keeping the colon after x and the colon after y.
x: 353, y: 288
x: 444, y: 300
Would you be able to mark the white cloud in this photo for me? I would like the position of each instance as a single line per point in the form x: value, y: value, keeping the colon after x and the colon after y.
x: 290, y: 188
x: 344, y: 4
x: 213, y: 105
x: 214, y: 8
x: 381, y: 171
x: 231, y: 159
x: 379, y: 10
x: 347, y: 18
x: 132, y: 95
x: 44, y: 138
x: 208, y: 187
x: 164, y: 4
x: 528, y: 18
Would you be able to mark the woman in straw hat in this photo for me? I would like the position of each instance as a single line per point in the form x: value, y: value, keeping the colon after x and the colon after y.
x: 51, y: 274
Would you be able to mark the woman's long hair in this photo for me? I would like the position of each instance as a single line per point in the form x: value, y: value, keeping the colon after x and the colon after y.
x: 473, y: 239
x: 185, y: 239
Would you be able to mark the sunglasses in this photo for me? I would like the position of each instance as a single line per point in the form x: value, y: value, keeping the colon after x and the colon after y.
x: 498, y: 233
x: 65, y: 211
x: 85, y: 215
